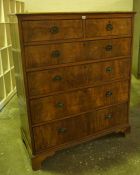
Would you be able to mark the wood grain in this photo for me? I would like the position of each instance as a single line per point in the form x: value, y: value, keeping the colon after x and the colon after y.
x: 98, y: 27
x: 73, y: 72
x: 41, y: 30
x: 61, y: 79
x: 58, y: 106
x: 58, y: 133
x: 42, y: 55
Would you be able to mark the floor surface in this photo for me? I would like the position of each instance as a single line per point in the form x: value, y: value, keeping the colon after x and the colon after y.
x: 110, y: 155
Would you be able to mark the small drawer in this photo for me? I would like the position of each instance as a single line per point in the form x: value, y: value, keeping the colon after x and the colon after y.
x: 108, y: 27
x: 61, y: 105
x: 79, y: 127
x: 46, y: 30
x: 56, y: 54
x: 61, y: 79
x: 110, y: 117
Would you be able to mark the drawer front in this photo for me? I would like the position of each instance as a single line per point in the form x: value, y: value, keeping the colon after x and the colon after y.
x: 65, y: 131
x: 54, y: 54
x: 108, y: 48
x: 110, y: 117
x: 59, y: 106
x: 60, y: 79
x: 110, y: 27
x: 51, y: 30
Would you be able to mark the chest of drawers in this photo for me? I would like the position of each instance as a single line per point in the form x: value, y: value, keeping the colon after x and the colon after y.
x: 73, y: 78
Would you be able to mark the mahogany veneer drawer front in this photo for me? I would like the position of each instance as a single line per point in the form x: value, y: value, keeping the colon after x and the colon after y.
x: 59, y: 106
x: 103, y: 27
x: 73, y: 78
x: 52, y: 30
x: 64, y: 78
x: 65, y: 29
x: 53, y: 54
x: 67, y: 130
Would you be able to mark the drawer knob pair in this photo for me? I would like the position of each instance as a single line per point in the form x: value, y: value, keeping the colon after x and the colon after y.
x: 109, y: 116
x: 54, y: 30
x: 109, y: 27
x: 62, y: 130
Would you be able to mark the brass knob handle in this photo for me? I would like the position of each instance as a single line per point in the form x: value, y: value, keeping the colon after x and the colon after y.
x: 57, y: 78
x: 109, y: 69
x: 109, y: 116
x: 54, y: 30
x: 109, y: 94
x: 62, y: 130
x: 60, y: 105
x: 109, y: 27
x: 55, y: 54
x: 108, y: 48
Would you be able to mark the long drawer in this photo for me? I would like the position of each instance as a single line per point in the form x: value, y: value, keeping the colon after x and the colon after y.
x: 55, y: 54
x: 60, y: 79
x: 64, y: 131
x: 61, y: 105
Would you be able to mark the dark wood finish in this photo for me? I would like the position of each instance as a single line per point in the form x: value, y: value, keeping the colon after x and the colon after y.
x: 60, y: 79
x: 103, y: 27
x: 74, y: 71
x: 109, y: 48
x: 59, y: 106
x: 53, y: 54
x: 51, y: 30
x: 57, y: 133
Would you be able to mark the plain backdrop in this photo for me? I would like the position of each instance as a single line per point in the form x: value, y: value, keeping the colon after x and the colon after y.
x: 78, y: 5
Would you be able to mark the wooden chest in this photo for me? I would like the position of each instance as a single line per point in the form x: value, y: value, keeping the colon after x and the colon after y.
x: 73, y: 79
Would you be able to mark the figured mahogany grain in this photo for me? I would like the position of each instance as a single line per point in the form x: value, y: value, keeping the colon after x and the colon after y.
x: 66, y: 96
x: 59, y: 106
x: 98, y: 27
x: 49, y: 135
x: 40, y: 56
x: 41, y: 30
x: 60, y: 79
x: 98, y: 49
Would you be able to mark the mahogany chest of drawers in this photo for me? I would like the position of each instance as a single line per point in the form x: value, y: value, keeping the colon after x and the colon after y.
x: 73, y: 78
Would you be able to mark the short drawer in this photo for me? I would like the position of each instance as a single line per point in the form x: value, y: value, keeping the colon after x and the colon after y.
x: 51, y: 30
x: 61, y: 105
x: 110, y: 27
x: 79, y: 127
x: 62, y: 53
x: 61, y: 79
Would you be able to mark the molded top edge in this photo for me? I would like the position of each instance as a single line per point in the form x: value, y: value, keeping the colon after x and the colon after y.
x: 82, y: 12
